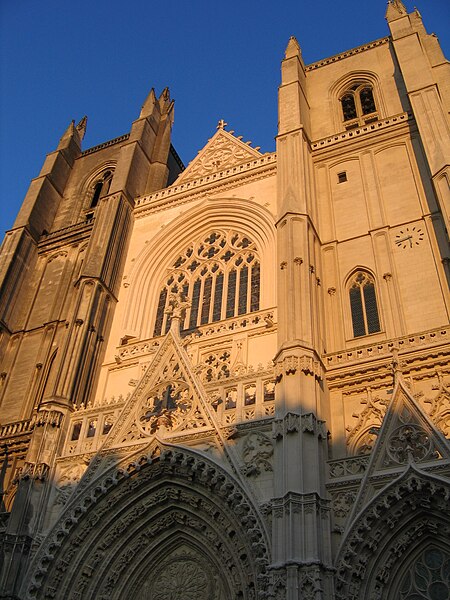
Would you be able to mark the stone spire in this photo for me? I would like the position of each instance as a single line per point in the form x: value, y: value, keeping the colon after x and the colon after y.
x: 81, y: 127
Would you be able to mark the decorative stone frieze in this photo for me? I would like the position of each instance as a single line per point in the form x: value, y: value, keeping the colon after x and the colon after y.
x: 291, y: 364
x: 348, y: 467
x: 293, y: 423
x: 48, y: 417
x: 30, y: 470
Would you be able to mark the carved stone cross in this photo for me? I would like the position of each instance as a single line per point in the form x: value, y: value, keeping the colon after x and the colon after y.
x: 221, y: 124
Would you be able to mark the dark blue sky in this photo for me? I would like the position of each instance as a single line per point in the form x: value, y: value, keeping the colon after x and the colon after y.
x: 61, y: 60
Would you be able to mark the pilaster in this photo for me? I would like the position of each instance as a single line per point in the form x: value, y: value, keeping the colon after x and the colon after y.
x: 300, y: 516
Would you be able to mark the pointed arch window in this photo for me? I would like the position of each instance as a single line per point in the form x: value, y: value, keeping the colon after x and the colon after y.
x: 219, y: 276
x: 363, y: 304
x: 100, y: 188
x: 358, y: 105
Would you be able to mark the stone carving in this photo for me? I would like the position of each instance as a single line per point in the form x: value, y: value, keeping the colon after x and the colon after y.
x: 348, y: 466
x: 311, y: 424
x: 216, y: 366
x: 414, y: 506
x: 69, y: 476
x: 362, y: 436
x: 175, y: 506
x: 223, y: 152
x: 257, y: 452
x: 278, y: 585
x: 409, y: 443
x: 290, y: 364
x: 165, y: 407
x: 30, y: 470
x: 183, y: 579
x: 342, y: 502
x: 293, y: 423
x: 48, y: 417
x: 309, y: 584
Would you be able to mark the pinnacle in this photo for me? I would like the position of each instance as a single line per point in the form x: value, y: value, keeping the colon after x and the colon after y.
x: 293, y: 48
x: 149, y: 103
x: 81, y: 127
x: 395, y: 8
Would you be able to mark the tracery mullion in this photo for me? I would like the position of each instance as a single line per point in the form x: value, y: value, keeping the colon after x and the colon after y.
x: 363, y: 304
x: 196, y: 295
x: 231, y: 293
x: 255, y: 287
x: 243, y: 291
x: 206, y: 299
x: 216, y: 305
x: 211, y: 300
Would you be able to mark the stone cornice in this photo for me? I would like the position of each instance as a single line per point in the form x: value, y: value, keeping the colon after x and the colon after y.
x: 420, y: 354
x: 112, y: 142
x: 222, y: 180
x: 359, y: 132
x: 347, y: 54
x: 433, y: 337
x: 63, y: 237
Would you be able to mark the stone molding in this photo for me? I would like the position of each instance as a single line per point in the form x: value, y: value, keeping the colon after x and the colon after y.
x: 48, y: 417
x: 431, y: 338
x: 362, y: 131
x: 30, y: 470
x: 352, y: 52
x: 295, y: 423
x: 186, y: 192
x: 288, y: 365
x: 117, y: 140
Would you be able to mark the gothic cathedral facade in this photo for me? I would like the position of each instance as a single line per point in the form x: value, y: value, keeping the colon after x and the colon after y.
x: 231, y: 381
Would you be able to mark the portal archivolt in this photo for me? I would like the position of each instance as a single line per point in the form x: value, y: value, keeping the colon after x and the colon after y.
x: 175, y: 520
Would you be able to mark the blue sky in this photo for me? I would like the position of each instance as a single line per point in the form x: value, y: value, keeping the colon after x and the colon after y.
x: 60, y: 60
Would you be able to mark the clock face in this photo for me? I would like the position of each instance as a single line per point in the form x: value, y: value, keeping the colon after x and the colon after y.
x: 409, y: 237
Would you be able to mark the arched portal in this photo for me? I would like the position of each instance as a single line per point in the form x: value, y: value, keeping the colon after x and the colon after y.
x: 406, y: 523
x: 163, y: 527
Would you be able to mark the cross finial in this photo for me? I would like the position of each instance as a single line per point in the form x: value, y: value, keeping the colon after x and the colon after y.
x: 221, y: 124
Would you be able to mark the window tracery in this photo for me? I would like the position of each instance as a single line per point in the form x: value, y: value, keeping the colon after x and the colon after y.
x: 363, y: 304
x: 220, y: 278
x: 428, y: 577
x: 358, y: 105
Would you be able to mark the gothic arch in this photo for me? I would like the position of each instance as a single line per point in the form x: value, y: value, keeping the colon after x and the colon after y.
x: 338, y: 88
x: 245, y: 216
x: 87, y: 185
x: 365, y: 316
x: 402, y: 520
x: 167, y: 506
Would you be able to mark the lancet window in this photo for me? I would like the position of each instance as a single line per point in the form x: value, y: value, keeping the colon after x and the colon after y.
x: 363, y: 304
x: 99, y: 189
x: 219, y: 276
x: 358, y: 105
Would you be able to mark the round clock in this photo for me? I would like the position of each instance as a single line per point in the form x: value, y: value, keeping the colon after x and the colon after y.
x: 409, y: 237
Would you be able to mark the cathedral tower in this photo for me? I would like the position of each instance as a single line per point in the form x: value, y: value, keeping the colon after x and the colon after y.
x: 231, y: 380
